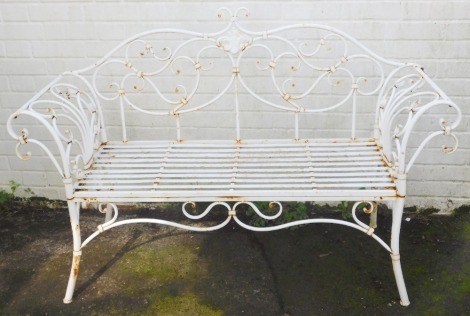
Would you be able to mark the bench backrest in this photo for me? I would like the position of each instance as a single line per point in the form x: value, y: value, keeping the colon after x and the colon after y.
x: 235, y: 73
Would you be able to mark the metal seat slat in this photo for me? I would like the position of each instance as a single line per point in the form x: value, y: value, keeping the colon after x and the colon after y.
x: 257, y: 144
x: 229, y: 180
x: 153, y: 166
x: 245, y: 171
x: 318, y: 175
x: 293, y: 154
x: 229, y: 159
x: 232, y: 188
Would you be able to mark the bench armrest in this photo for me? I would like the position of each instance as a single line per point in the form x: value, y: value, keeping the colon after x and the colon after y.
x: 69, y: 112
x: 408, y: 94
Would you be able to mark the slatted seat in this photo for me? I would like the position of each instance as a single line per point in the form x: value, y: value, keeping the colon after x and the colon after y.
x: 252, y: 170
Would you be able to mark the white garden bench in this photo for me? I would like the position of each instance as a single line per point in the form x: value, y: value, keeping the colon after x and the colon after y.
x: 304, y: 72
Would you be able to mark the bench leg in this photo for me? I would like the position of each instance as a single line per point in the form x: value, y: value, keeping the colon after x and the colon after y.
x: 74, y: 211
x: 109, y: 213
x: 395, y: 246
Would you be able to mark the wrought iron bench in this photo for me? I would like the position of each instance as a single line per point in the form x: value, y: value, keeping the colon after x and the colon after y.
x: 361, y: 154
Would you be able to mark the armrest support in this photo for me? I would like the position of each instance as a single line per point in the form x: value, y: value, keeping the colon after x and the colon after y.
x: 68, y: 110
x: 408, y: 94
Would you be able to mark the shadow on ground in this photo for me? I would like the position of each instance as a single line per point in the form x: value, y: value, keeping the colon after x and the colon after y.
x: 319, y: 269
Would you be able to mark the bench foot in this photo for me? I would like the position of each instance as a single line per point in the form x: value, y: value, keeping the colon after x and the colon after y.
x: 404, y: 301
x: 73, y: 278
x: 74, y: 211
x: 395, y: 254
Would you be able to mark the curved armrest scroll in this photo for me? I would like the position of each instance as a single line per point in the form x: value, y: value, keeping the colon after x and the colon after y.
x: 70, y: 114
x: 403, y: 101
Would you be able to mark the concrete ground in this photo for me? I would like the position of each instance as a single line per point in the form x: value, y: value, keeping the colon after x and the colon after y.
x: 145, y: 269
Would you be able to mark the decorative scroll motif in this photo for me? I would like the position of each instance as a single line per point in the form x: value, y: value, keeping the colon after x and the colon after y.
x: 234, y: 42
x: 72, y: 116
x: 146, y: 59
x: 402, y: 102
x: 232, y: 214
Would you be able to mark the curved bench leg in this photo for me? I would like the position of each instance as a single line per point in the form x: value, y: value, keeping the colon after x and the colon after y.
x: 74, y: 211
x: 395, y: 246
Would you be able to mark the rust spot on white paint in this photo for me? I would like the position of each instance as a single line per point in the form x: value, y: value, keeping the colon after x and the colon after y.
x: 76, y: 264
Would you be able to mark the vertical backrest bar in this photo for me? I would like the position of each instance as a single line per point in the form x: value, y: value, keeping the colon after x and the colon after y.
x: 123, y: 117
x: 237, y: 110
x: 353, y: 114
x: 178, y: 127
x: 296, y: 117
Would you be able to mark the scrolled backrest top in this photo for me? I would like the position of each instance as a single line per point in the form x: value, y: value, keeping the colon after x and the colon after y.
x: 287, y: 68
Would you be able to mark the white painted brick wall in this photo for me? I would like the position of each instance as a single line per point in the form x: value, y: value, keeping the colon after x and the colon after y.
x: 39, y: 39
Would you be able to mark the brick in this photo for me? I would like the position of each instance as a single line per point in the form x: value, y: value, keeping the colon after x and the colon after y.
x: 56, y: 49
x: 36, y: 163
x: 18, y: 49
x: 438, y: 171
x: 331, y: 10
x: 57, y: 66
x: 7, y: 176
x: 21, y: 83
x: 21, y: 31
x: 17, y: 13
x: 69, y: 1
x: 22, y: 66
x: 3, y: 132
x: 4, y: 165
x: 55, y: 12
x: 419, y: 49
x: 69, y: 30
x: 54, y: 180
x: 111, y: 31
x: 457, y: 31
x: 41, y: 81
x: 446, y: 205
x: 441, y: 10
x: 453, y: 87
x: 2, y: 50
x: 31, y: 178
x: 436, y: 156
x: 439, y: 188
x: 53, y: 193
x: 16, y: 2
x: 12, y: 100
x: 452, y: 69
x: 4, y: 84
x: 96, y: 49
x: 149, y: 12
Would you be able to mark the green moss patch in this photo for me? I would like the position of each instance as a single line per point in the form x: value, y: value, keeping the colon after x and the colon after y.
x: 466, y: 232
x: 164, y: 265
x: 184, y: 305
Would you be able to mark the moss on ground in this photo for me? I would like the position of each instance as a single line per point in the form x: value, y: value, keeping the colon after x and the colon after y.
x: 443, y: 271
x: 183, y: 305
x: 466, y: 232
x: 164, y: 265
